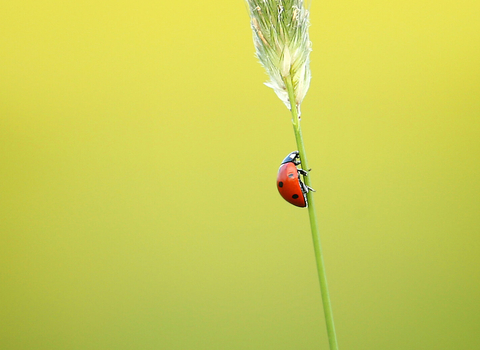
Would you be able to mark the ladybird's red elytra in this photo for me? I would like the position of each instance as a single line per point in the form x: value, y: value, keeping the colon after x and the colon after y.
x: 289, y: 184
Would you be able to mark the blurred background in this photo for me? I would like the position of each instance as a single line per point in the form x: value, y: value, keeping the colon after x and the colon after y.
x: 138, y: 156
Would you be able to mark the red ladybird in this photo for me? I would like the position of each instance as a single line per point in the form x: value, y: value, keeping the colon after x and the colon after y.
x: 291, y: 188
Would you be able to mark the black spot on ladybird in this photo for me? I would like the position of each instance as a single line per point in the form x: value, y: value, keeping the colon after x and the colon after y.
x: 295, y: 196
x: 280, y: 184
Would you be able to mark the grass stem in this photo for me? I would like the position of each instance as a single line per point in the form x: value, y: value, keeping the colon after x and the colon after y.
x: 322, y: 277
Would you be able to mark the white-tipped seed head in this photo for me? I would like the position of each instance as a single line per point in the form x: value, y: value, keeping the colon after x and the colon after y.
x: 280, y: 35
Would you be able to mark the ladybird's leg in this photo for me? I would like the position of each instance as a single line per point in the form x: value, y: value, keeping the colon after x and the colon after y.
x: 305, y: 188
x: 303, y: 172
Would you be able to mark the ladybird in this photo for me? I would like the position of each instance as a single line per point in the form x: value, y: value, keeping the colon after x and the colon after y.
x: 289, y: 184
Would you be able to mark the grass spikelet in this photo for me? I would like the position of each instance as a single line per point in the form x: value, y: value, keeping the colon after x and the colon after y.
x: 280, y: 35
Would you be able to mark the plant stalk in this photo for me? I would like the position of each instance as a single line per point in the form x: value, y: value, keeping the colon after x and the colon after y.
x: 322, y: 277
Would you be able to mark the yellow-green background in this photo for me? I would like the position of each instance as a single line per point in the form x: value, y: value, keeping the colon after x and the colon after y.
x: 139, y: 151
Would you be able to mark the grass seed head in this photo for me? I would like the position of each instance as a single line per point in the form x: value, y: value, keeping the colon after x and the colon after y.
x: 280, y: 35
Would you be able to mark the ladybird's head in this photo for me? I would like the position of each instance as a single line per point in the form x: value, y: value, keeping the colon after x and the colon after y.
x: 293, y: 157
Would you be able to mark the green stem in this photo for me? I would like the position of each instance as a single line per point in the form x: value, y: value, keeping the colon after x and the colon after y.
x: 322, y: 277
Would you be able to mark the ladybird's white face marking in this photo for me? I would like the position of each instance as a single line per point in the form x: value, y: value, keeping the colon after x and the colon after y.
x: 292, y: 156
